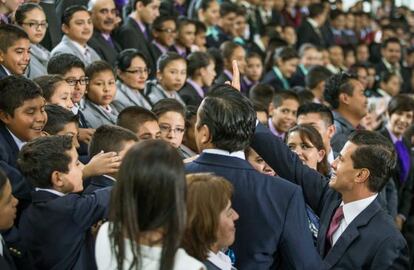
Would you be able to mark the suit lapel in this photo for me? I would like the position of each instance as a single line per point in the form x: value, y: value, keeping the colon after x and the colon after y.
x: 324, y: 226
x: 9, y: 139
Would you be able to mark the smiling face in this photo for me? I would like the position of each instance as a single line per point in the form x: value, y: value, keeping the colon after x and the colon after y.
x: 17, y: 57
x: 399, y: 122
x: 284, y: 116
x: 28, y: 120
x: 343, y: 171
x: 62, y: 96
x: 305, y: 150
x: 149, y: 130
x: 167, y: 34
x: 33, y: 18
x: 80, y: 28
x: 102, y: 88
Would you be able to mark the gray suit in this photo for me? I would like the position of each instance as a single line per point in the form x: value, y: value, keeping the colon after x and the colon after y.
x: 96, y: 116
x: 155, y: 92
x: 39, y: 56
x: 126, y: 97
x: 67, y: 46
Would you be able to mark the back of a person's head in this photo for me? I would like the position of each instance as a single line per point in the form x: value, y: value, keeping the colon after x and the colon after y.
x: 57, y: 118
x: 335, y: 85
x: 151, y: 174
x: 109, y: 138
x: 9, y: 35
x: 197, y: 60
x: 63, y: 63
x: 281, y: 96
x: 316, y: 75
x: 374, y: 153
x: 40, y: 158
x: 324, y: 112
x: 168, y: 105
x: 133, y: 117
x: 262, y: 93
x: 400, y: 103
x: 315, y: 10
x: 207, y: 196
x: 49, y: 84
x: 14, y: 91
x: 70, y: 11
x: 230, y: 118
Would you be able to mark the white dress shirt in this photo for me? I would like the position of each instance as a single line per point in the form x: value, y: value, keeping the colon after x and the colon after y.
x: 220, y: 260
x: 60, y: 194
x: 18, y: 142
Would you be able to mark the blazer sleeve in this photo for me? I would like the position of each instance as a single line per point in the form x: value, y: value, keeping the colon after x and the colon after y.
x: 288, y: 165
x: 392, y: 254
x: 404, y: 203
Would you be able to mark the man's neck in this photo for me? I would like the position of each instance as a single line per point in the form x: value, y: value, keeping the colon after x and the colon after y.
x: 356, y: 195
x: 350, y: 117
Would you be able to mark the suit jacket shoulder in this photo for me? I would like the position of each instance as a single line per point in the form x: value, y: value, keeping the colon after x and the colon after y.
x: 103, y: 49
x: 190, y: 96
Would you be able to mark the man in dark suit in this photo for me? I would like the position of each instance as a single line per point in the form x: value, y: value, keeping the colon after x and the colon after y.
x: 309, y: 31
x: 134, y: 33
x: 355, y: 233
x: 272, y: 230
x: 103, y: 15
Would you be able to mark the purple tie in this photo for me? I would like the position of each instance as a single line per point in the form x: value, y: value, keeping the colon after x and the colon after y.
x: 333, y: 227
x: 404, y: 160
x: 110, y: 42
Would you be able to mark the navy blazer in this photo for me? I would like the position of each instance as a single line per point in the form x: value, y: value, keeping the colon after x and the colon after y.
x: 6, y: 261
x: 371, y: 241
x: 190, y: 95
x: 271, y: 79
x: 56, y: 230
x: 98, y: 182
x: 3, y: 72
x: 272, y: 231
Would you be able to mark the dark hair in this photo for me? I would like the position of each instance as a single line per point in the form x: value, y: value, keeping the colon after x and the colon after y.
x: 316, y: 75
x: 3, y: 182
x: 190, y: 113
x: 9, y: 35
x: 390, y: 40
x: 305, y: 96
x: 400, y: 103
x: 281, y: 96
x: 386, y: 76
x: 227, y: 8
x: 98, y: 67
x: 207, y: 197
x: 229, y: 131
x: 21, y: 11
x: 49, y: 83
x: 251, y: 55
x: 157, y: 25
x: 284, y: 54
x: 335, y: 13
x: 132, y: 117
x: 152, y: 173
x: 200, y: 27
x: 324, y: 112
x: 262, y: 93
x: 357, y: 66
x: 63, y: 63
x: 70, y: 11
x: 183, y: 22
x: 57, y: 118
x: 168, y: 105
x: 308, y: 133
x: 124, y: 58
x: 197, y: 60
x: 167, y: 58
x: 133, y: 3
x: 109, y: 138
x: 205, y: 4
x: 315, y: 10
x: 39, y: 158
x: 374, y: 153
x: 337, y: 84
x: 15, y: 90
x: 227, y: 49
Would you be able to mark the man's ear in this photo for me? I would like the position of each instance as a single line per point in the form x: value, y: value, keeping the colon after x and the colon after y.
x: 65, y: 28
x: 362, y: 176
x: 5, y: 117
x: 321, y: 154
x: 1, y: 56
x: 331, y: 131
x: 343, y: 98
x: 57, y: 181
x: 271, y: 108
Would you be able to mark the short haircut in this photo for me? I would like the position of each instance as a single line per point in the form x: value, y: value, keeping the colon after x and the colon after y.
x: 375, y: 153
x: 70, y: 11
x: 21, y: 11
x: 207, y: 197
x: 400, y: 103
x: 15, y: 90
x: 197, y: 60
x: 335, y: 13
x: 98, y: 67
x: 251, y: 55
x: 9, y: 35
x: 167, y: 58
x: 39, y: 158
x: 315, y: 10
x: 49, y: 83
x: 3, y: 182
x: 168, y: 105
x: 124, y: 58
x: 336, y: 85
x: 63, y: 63
x: 356, y: 67
x: 324, y: 112
x: 227, y: 49
x: 57, y: 118
x: 133, y: 117
x: 305, y: 47
x: 200, y: 27
x: 262, y: 93
x: 205, y: 4
x: 386, y: 76
x: 160, y: 20
x: 283, y: 95
x: 284, y: 54
x: 316, y: 75
x: 229, y: 131
x: 183, y: 22
x: 190, y: 113
x: 109, y: 138
x: 389, y: 41
x: 133, y: 3
x: 227, y: 8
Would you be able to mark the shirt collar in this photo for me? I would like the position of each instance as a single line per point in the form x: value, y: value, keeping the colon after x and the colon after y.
x: 107, y: 109
x: 274, y: 131
x: 221, y: 260
x: 60, y: 194
x: 237, y: 154
x: 353, y: 209
x: 196, y: 87
x: 162, y: 48
x: 313, y: 23
x: 393, y: 137
x: 106, y: 36
x: 109, y: 177
x: 338, y: 117
x: 18, y: 142
x: 7, y: 71
x: 228, y: 73
x: 389, y: 66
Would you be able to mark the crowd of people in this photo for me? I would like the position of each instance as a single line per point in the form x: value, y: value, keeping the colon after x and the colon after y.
x: 206, y: 134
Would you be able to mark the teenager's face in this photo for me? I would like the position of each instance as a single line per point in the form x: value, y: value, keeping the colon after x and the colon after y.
x: 167, y: 34
x: 28, y: 120
x: 288, y: 67
x: 8, y: 205
x: 35, y: 25
x: 172, y: 128
x: 104, y: 15
x: 208, y: 74
x: 305, y: 150
x: 136, y: 75
x: 149, y: 12
x: 71, y: 129
x: 239, y: 26
x: 311, y: 57
x: 239, y: 54
x: 102, y: 88
x: 212, y: 14
x: 79, y: 89
x: 149, y: 130
x: 17, y: 57
x: 259, y: 164
x: 400, y: 121
x: 393, y: 86
x: 62, y: 96
x: 200, y: 39
x: 186, y: 35
x: 226, y: 228
x: 254, y: 69
x: 80, y: 28
x: 227, y: 22
x: 173, y: 77
x: 392, y: 53
x: 284, y: 116
x: 72, y: 180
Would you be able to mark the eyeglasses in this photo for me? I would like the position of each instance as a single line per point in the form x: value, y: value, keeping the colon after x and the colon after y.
x: 167, y: 129
x: 81, y: 81
x: 139, y: 71
x: 36, y: 25
x: 168, y: 30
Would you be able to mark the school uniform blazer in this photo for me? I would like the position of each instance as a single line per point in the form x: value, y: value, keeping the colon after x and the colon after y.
x: 272, y: 231
x: 103, y: 49
x: 39, y: 57
x: 98, y: 182
x: 190, y: 95
x: 6, y: 261
x: 56, y: 229
x: 371, y: 240
x: 298, y: 78
x: 3, y: 72
x: 126, y: 97
x: 307, y: 34
x: 66, y: 46
x: 95, y: 116
x: 271, y: 79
